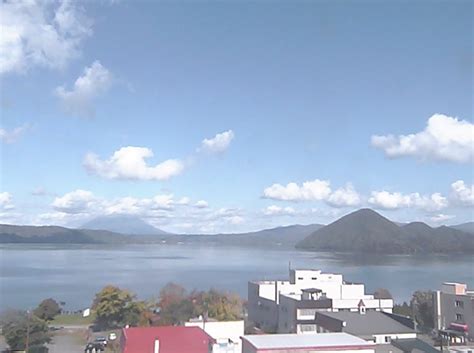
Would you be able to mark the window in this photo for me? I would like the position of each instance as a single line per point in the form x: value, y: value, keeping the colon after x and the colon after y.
x: 300, y: 278
x: 307, y: 312
x: 459, y: 304
x: 459, y: 317
x: 308, y: 328
x: 387, y: 339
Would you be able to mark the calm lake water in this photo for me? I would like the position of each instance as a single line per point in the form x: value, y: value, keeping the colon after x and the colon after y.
x: 73, y: 273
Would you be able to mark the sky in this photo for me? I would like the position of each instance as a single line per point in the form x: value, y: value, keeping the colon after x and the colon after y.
x: 229, y: 116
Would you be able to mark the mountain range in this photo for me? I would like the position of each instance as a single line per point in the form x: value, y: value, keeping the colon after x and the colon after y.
x: 55, y: 234
x: 363, y: 231
x: 465, y: 227
x: 366, y: 231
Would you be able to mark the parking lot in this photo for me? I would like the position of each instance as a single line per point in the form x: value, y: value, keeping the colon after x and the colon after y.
x: 67, y: 340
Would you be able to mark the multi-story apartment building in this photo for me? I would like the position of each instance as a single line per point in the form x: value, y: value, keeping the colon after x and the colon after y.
x: 288, y: 306
x: 454, y: 308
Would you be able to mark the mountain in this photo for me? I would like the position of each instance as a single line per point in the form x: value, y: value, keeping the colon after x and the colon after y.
x: 123, y: 224
x: 287, y: 236
x: 280, y: 236
x: 54, y: 234
x: 366, y: 231
x: 465, y: 227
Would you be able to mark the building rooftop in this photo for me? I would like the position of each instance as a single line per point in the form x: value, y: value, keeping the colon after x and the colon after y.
x: 414, y: 345
x: 322, y: 340
x: 372, y: 322
x: 173, y: 339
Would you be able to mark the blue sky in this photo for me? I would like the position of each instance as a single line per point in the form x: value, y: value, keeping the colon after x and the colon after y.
x: 309, y: 110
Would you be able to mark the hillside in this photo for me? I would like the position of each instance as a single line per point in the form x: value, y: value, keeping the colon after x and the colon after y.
x: 55, y: 234
x: 287, y: 236
x: 130, y: 225
x: 366, y: 231
x: 465, y: 227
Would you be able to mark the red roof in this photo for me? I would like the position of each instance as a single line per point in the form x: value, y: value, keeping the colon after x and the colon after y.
x: 173, y: 339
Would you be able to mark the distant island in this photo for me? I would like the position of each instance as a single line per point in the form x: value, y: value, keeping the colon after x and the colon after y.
x: 363, y: 231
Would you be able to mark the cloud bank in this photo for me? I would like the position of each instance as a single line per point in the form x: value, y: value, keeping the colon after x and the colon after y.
x: 444, y: 138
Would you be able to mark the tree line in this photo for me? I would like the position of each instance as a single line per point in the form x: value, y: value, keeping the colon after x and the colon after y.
x: 114, y: 307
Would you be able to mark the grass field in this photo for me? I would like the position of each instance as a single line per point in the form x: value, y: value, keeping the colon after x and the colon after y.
x: 75, y: 319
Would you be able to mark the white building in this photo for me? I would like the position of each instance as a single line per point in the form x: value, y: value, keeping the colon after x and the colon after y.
x: 226, y: 333
x: 286, y: 306
x: 294, y: 343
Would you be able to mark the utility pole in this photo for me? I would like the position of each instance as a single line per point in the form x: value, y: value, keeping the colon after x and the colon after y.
x: 27, y: 344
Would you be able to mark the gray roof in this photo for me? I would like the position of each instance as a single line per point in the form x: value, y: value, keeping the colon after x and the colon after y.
x: 370, y: 323
x: 414, y: 345
x: 337, y: 339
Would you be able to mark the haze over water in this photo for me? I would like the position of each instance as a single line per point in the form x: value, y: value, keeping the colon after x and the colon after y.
x: 74, y: 273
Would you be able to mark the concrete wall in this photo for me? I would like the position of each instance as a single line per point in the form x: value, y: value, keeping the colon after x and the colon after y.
x: 446, y: 310
x: 223, y: 331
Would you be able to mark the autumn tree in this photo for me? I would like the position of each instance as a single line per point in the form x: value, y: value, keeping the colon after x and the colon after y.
x: 115, y: 307
x: 177, y: 306
x: 47, y: 309
x: 219, y: 305
x: 22, y: 329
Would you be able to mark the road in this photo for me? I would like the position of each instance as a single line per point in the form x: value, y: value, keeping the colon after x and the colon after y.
x: 67, y: 340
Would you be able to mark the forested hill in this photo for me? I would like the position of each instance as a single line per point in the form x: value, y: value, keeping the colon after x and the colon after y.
x: 366, y: 231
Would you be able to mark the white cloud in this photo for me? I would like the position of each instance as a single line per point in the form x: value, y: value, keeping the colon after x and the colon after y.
x: 95, y: 80
x: 201, y: 204
x: 78, y: 201
x: 346, y: 196
x: 183, y: 201
x: 235, y: 220
x: 274, y: 210
x: 462, y: 194
x: 308, y: 191
x: 129, y: 163
x: 13, y: 135
x: 6, y: 202
x: 218, y: 143
x: 135, y: 206
x: 396, y: 200
x: 40, y: 33
x: 162, y: 210
x: 441, y: 218
x: 444, y: 138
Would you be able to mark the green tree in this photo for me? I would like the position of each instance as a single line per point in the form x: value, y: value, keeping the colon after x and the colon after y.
x: 22, y: 329
x: 403, y: 309
x: 115, y: 307
x: 47, y: 309
x: 423, y: 309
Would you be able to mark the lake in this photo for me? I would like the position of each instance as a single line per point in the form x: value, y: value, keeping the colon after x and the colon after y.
x: 74, y: 273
